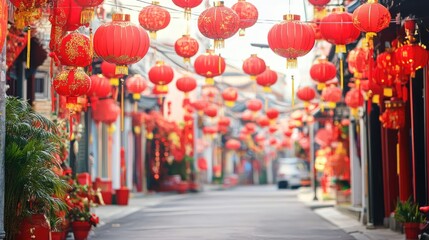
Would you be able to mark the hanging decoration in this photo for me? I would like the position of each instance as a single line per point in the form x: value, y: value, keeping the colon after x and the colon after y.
x: 74, y: 50
x: 218, y: 23
x: 412, y: 57
x: 306, y: 94
x: 136, y: 84
x: 319, y: 7
x: 209, y: 65
x: 254, y: 66
x: 154, y: 18
x: 254, y: 105
x: 211, y: 111
x: 266, y: 79
x: 229, y: 96
x: 121, y: 42
x: 371, y: 18
x: 233, y: 144
x: 161, y: 75
x: 354, y: 99
x: 88, y: 10
x: 247, y: 13
x: 272, y: 114
x: 332, y: 95
x: 393, y: 116
x: 186, y: 47
x: 187, y: 5
x: 106, y: 111
x: 291, y: 39
x: 186, y: 84
x: 100, y: 88
x: 263, y: 121
x: 322, y: 71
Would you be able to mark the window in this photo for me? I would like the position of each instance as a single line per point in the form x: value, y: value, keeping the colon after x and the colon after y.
x: 42, y: 86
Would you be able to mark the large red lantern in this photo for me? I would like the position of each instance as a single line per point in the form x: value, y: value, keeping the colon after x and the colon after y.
x: 332, y: 95
x: 267, y: 79
x: 306, y: 94
x: 338, y: 29
x: 154, y: 18
x: 186, y: 47
x: 218, y: 23
x: 87, y: 13
x: 371, y: 17
x: 136, y: 84
x: 209, y: 65
x: 291, y: 39
x: 322, y: 71
x: 354, y: 99
x: 3, y: 22
x: 187, y: 5
x: 72, y: 83
x: 75, y: 51
x: 121, y: 42
x: 233, y: 144
x: 161, y: 74
x: 100, y: 87
x: 254, y: 105
x: 230, y: 95
x: 254, y: 66
x: 248, y: 14
x: 412, y: 57
x: 106, y: 111
x: 186, y: 84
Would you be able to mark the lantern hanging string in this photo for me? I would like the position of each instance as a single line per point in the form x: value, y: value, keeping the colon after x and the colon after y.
x: 28, y: 46
x: 122, y: 105
x: 342, y: 71
x: 293, y: 90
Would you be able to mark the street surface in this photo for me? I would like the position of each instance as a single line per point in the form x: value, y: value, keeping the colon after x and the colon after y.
x: 253, y: 212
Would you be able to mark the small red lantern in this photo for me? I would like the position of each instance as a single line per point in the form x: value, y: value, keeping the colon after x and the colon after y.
x: 187, y: 5
x: 136, y: 84
x: 218, y: 23
x: 186, y: 84
x: 254, y: 105
x: 291, y: 39
x: 338, y: 29
x: 250, y: 127
x: 332, y: 95
x: 412, y: 57
x: 273, y: 129
x: 186, y: 47
x: 200, y: 105
x: 254, y: 66
x: 211, y: 111
x: 100, y: 87
x: 161, y: 74
x: 209, y: 65
x: 247, y: 13
x: 233, y: 144
x: 27, y: 11
x: 371, y: 17
x: 121, y: 42
x: 263, y: 121
x: 354, y: 99
x: 306, y: 94
x: 267, y: 79
x: 319, y: 3
x: 106, y: 111
x: 75, y: 51
x: 246, y: 116
x: 224, y: 121
x: 109, y: 71
x: 272, y: 114
x: 87, y: 13
x: 322, y: 71
x: 230, y: 95
x: 72, y: 83
x: 154, y: 18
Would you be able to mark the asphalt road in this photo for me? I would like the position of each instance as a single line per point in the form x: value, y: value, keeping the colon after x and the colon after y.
x: 254, y: 212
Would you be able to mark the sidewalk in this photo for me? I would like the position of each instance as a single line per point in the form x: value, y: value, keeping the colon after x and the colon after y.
x: 328, y: 211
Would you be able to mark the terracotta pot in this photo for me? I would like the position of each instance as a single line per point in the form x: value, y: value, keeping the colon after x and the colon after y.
x: 81, y: 230
x: 412, y: 231
x: 34, y: 227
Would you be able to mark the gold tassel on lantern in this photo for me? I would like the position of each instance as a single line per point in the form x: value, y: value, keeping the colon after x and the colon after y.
x: 291, y: 63
x: 28, y: 46
x: 121, y: 70
x: 86, y: 15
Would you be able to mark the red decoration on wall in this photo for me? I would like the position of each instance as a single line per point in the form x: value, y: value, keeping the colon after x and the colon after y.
x: 187, y: 5
x: 291, y: 39
x: 154, y: 18
x: 209, y: 65
x: 247, y: 13
x: 186, y: 47
x: 218, y: 23
x: 266, y: 79
x: 230, y: 95
x: 74, y: 50
x: 254, y: 66
x: 322, y: 71
x: 121, y: 42
x: 371, y: 17
x: 136, y: 84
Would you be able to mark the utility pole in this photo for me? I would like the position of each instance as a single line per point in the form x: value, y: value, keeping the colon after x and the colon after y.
x: 2, y: 136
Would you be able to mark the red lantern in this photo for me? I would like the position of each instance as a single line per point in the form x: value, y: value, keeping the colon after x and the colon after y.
x: 412, y: 57
x: 250, y: 127
x: 267, y: 79
x: 74, y: 20
x: 87, y: 13
x: 75, y: 51
x: 27, y: 11
x: 186, y: 47
x: 121, y: 42
x: 354, y: 99
x: 230, y: 95
x: 254, y: 105
x: 338, y: 29
x: 371, y: 17
x: 161, y: 74
x: 233, y: 144
x: 273, y: 129
x: 106, y: 111
x: 319, y: 3
x: 211, y: 111
x: 100, y: 87
x: 136, y: 85
x: 209, y: 65
x: 218, y: 23
x: 154, y: 18
x: 316, y: 27
x: 186, y: 84
x: 291, y: 39
x: 254, y: 66
x: 72, y: 83
x: 306, y: 94
x: 246, y: 116
x: 272, y: 113
x: 332, y: 95
x: 187, y: 5
x: 359, y: 62
x: 3, y: 22
x: 200, y: 105
x: 224, y: 121
x: 263, y: 121
x: 322, y: 71
x: 247, y: 13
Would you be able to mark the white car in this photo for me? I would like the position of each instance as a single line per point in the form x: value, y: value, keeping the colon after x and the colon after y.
x: 292, y: 173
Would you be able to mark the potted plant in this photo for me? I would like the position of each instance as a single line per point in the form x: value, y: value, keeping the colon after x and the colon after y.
x: 31, y: 186
x: 407, y: 212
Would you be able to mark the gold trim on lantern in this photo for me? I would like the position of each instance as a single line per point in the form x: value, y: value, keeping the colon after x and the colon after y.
x: 252, y: 77
x: 332, y: 105
x: 229, y: 103
x: 219, y: 43
x: 187, y: 13
x: 121, y: 70
x: 218, y: 4
x: 152, y: 34
x: 149, y: 135
x: 266, y: 89
x: 136, y: 96
x: 209, y: 81
x: 387, y: 92
x: 86, y: 15
x: 376, y: 99
x: 291, y: 63
x: 321, y: 86
x: 114, y: 82
x: 291, y: 17
x: 242, y: 32
x: 120, y: 17
x: 341, y: 48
